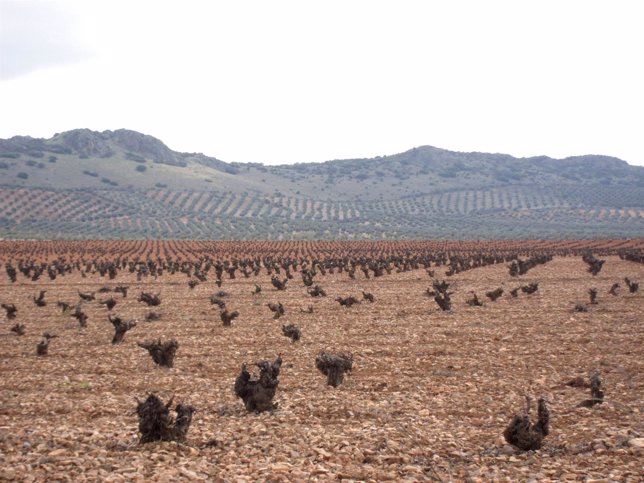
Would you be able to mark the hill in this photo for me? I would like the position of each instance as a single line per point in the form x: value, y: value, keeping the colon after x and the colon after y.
x: 124, y: 184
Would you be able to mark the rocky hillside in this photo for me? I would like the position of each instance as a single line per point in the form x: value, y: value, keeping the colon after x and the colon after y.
x: 124, y: 184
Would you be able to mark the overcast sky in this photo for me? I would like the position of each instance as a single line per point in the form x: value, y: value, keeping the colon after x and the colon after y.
x: 301, y: 81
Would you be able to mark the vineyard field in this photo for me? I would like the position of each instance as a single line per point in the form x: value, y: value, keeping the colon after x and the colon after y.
x: 429, y: 395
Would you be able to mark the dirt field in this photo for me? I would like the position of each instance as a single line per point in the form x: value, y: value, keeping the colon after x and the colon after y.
x: 428, y: 400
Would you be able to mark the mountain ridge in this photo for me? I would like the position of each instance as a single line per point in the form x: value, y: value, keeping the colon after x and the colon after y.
x: 160, y: 152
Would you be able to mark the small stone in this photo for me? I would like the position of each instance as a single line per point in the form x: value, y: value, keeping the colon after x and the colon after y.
x: 569, y: 476
x: 508, y: 450
x: 412, y: 469
x: 636, y: 443
x: 189, y: 474
x: 318, y: 470
x: 280, y: 468
x: 57, y: 452
x: 323, y: 453
x: 9, y: 474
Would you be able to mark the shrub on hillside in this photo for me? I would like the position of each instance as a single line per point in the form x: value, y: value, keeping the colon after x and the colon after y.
x: 447, y: 174
x: 59, y: 149
x: 135, y: 157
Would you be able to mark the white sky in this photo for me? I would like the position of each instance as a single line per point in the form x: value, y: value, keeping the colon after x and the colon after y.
x: 300, y: 81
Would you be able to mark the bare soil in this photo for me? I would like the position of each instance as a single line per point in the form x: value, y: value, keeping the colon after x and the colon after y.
x: 428, y: 398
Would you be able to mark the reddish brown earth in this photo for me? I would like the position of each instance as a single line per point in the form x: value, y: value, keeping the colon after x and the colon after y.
x: 429, y: 397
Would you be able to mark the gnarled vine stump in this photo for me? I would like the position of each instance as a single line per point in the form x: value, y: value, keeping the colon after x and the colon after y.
x: 162, y: 352
x: 156, y: 423
x: 292, y: 331
x: 258, y: 392
x: 334, y: 366
x: 525, y: 435
x: 120, y: 328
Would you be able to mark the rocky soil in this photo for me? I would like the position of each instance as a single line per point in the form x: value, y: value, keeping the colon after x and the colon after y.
x: 428, y: 398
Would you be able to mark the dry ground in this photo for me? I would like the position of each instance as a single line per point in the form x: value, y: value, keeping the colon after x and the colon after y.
x: 428, y: 400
